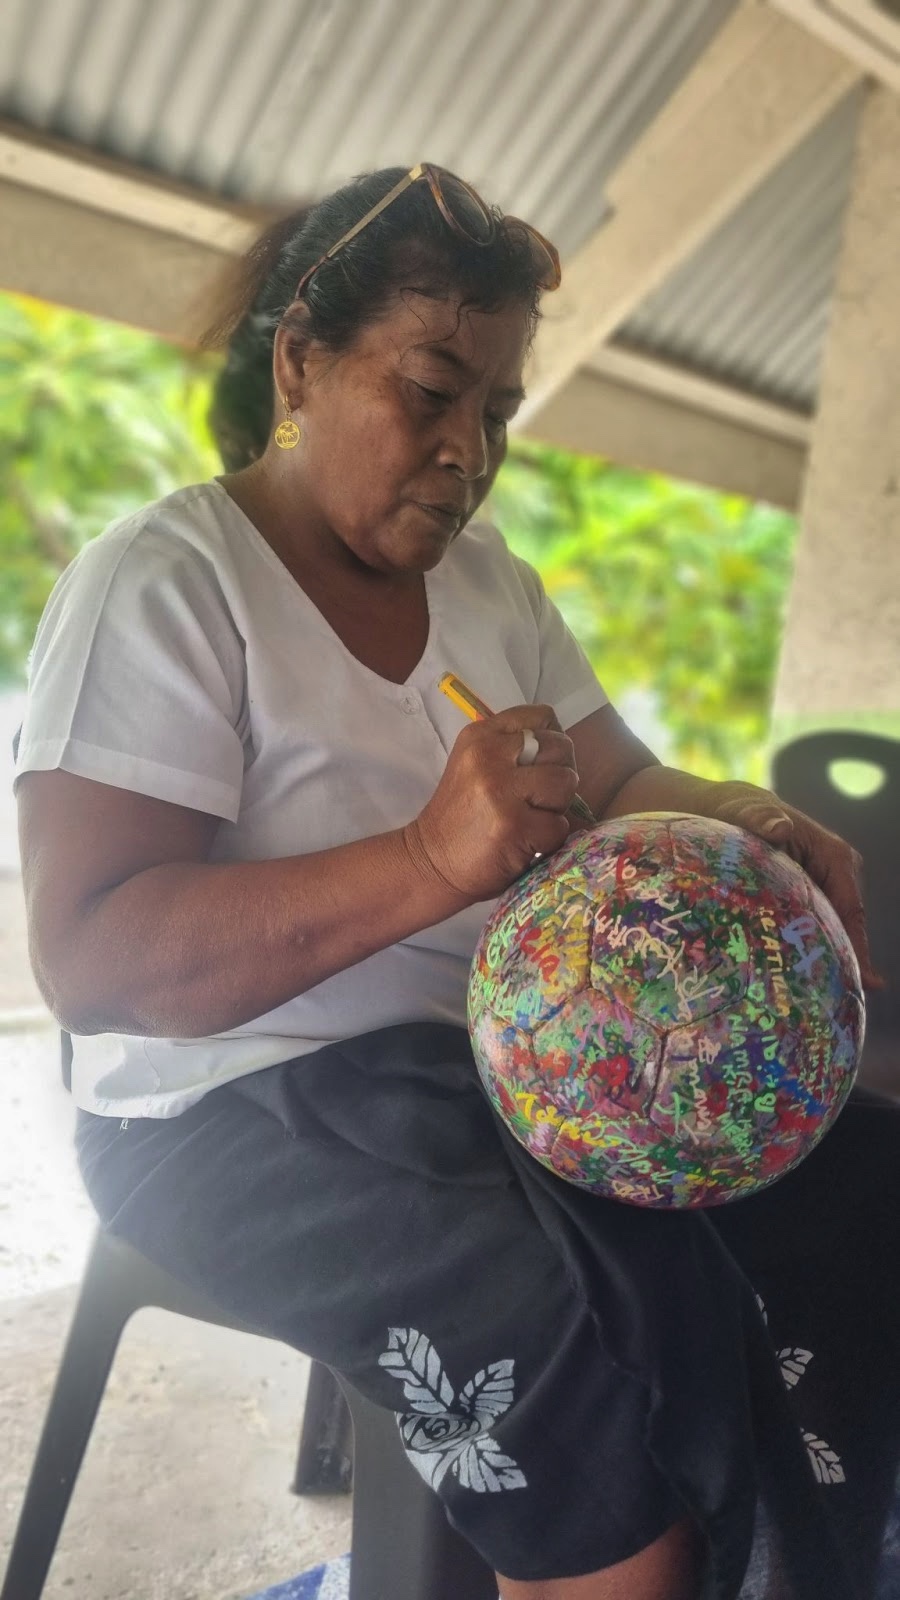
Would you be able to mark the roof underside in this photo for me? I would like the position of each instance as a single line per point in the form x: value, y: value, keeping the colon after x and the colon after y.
x: 750, y: 307
x: 276, y: 101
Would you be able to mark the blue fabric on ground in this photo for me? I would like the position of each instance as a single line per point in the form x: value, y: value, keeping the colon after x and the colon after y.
x: 329, y: 1582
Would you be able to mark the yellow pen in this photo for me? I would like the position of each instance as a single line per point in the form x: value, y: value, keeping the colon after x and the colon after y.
x: 468, y: 702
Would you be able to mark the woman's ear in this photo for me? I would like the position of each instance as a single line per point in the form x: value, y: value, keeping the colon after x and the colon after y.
x: 290, y: 357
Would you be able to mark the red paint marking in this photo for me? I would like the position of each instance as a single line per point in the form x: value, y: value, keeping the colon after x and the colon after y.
x: 717, y: 1099
x: 615, y: 1070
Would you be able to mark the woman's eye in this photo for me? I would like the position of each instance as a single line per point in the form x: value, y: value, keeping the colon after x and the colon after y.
x: 436, y: 399
x: 436, y: 396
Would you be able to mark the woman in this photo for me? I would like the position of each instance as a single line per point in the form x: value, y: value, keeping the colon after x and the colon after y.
x: 258, y: 848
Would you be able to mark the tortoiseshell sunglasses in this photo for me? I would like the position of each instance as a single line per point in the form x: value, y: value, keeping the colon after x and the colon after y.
x: 465, y: 212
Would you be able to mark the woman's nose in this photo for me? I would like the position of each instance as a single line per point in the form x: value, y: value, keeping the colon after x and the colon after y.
x: 464, y: 447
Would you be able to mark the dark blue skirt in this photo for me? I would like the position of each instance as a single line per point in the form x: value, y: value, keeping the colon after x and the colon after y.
x: 571, y: 1375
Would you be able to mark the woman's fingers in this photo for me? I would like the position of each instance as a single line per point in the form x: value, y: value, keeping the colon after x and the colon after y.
x: 490, y: 815
x: 841, y: 881
x: 515, y: 717
x: 550, y: 789
x: 544, y: 748
x: 830, y: 861
x: 529, y: 737
x: 762, y: 815
x: 532, y: 735
x: 547, y: 775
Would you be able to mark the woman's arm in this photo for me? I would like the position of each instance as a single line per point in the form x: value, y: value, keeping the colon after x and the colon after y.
x: 618, y: 775
x: 133, y: 930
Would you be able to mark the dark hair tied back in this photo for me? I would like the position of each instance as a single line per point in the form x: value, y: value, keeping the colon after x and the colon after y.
x: 409, y: 246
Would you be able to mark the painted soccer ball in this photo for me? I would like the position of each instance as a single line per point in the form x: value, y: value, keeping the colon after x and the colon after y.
x: 668, y: 1012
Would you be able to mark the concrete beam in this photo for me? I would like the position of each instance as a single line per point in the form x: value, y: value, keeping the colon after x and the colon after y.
x: 85, y: 177
x: 720, y: 400
x: 659, y: 432
x: 101, y: 236
x: 59, y: 250
x: 858, y: 28
x: 761, y: 87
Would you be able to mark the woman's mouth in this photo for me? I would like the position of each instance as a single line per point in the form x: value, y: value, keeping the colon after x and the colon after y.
x: 449, y: 518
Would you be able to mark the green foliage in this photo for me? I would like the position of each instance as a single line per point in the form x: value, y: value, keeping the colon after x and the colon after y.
x: 672, y: 589
x: 95, y: 420
x: 675, y: 592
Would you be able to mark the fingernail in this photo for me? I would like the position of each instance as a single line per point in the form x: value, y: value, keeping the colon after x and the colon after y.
x: 774, y: 823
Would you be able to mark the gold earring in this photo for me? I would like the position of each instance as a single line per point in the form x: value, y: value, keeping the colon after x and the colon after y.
x: 287, y: 433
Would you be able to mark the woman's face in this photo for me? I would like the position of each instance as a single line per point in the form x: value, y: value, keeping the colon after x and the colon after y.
x: 402, y: 435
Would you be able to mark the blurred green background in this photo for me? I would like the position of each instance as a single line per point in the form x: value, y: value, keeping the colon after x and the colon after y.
x: 676, y: 592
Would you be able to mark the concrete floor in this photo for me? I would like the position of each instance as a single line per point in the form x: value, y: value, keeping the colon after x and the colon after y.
x: 184, y: 1493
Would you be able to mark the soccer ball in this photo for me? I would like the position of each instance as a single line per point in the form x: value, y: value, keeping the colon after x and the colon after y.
x: 667, y: 1012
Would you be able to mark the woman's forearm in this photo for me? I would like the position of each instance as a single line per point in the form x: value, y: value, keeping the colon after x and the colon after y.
x: 659, y: 788
x: 190, y: 949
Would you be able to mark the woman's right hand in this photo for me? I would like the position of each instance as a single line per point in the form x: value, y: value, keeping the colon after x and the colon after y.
x: 489, y: 817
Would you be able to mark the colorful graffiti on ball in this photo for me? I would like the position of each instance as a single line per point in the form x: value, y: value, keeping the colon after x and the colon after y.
x: 668, y: 1012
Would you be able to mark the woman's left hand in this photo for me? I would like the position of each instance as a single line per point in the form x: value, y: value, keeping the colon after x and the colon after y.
x: 831, y: 862
x: 619, y: 776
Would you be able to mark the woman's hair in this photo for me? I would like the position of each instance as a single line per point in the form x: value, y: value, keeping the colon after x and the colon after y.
x: 408, y: 246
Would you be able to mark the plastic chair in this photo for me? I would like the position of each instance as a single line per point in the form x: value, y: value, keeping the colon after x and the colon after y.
x: 402, y: 1546
x: 802, y: 774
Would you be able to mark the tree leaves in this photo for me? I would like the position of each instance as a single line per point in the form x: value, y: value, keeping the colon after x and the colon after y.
x: 676, y: 593
x: 95, y: 420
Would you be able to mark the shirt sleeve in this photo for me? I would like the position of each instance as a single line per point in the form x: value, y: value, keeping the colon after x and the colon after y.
x: 137, y: 676
x: 566, y: 680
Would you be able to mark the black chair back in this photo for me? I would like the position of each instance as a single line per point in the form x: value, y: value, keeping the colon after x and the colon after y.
x: 801, y: 774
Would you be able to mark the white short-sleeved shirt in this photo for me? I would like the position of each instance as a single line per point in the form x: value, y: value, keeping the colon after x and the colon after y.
x: 177, y: 657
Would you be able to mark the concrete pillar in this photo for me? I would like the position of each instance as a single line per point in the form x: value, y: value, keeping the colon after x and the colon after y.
x: 840, y: 664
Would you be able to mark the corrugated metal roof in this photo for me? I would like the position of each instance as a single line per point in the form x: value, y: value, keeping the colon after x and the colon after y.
x: 274, y: 101
x: 751, y: 305
x: 281, y: 100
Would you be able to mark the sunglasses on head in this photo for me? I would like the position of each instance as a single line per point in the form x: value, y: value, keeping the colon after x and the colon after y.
x: 465, y: 212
